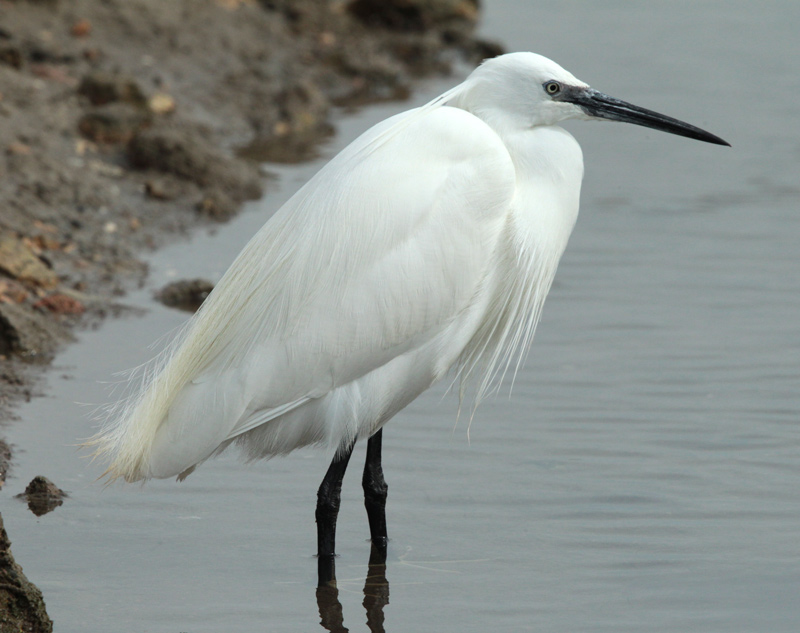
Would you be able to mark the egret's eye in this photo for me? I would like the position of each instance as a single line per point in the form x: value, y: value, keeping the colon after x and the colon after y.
x: 552, y: 87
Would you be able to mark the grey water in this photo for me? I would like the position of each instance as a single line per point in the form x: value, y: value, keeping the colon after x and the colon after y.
x: 642, y: 477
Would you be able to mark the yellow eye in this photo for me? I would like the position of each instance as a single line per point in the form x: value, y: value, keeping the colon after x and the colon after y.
x: 552, y: 87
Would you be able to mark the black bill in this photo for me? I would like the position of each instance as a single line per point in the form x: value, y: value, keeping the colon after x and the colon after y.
x: 602, y: 106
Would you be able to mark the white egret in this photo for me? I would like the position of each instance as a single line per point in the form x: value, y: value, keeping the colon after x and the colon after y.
x: 427, y: 246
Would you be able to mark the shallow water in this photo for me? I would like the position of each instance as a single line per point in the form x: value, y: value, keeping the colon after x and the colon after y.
x: 644, y: 475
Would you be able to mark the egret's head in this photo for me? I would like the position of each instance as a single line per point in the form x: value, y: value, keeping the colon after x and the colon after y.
x: 525, y: 90
x: 519, y: 90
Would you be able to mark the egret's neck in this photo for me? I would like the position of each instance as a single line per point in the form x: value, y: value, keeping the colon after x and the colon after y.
x: 549, y: 171
x: 549, y: 168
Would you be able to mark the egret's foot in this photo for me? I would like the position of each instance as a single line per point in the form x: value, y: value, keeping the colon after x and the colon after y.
x: 326, y: 571
x: 377, y: 553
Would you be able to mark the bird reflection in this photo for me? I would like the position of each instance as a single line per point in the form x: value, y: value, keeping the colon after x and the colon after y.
x: 376, y: 594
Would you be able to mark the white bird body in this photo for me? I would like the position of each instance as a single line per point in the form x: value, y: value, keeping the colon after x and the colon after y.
x: 428, y: 244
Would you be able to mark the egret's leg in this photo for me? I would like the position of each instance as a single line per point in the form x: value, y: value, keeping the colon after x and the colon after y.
x: 375, y: 492
x: 328, y: 500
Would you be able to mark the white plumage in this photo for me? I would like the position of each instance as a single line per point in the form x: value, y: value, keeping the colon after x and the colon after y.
x: 428, y: 244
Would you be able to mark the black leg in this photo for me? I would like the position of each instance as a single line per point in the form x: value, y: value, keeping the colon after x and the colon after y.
x: 375, y: 492
x: 326, y: 573
x: 328, y: 500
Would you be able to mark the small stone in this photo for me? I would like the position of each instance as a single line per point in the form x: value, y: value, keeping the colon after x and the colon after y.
x: 185, y: 295
x: 42, y: 495
x: 106, y: 169
x: 217, y: 205
x: 45, y: 226
x: 20, y: 149
x: 11, y: 56
x: 233, y: 5
x: 60, y: 303
x: 102, y: 87
x: 12, y: 292
x: 113, y: 123
x: 326, y: 38
x: 161, y: 103
x: 54, y: 72
x: 20, y: 262
x: 161, y: 189
x: 92, y: 54
x: 82, y: 146
x: 40, y: 243
x: 81, y: 28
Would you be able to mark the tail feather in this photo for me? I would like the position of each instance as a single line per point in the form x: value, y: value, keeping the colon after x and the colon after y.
x: 169, y: 427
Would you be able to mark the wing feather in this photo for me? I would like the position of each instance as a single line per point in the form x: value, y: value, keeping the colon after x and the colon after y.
x: 372, y: 258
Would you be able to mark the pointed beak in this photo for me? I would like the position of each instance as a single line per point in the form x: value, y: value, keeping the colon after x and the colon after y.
x: 601, y: 106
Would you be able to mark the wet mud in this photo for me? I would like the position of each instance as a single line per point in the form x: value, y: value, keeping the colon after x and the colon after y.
x: 21, y: 605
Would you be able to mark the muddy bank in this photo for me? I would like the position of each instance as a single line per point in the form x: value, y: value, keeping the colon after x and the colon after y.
x: 128, y: 122
x: 21, y: 604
